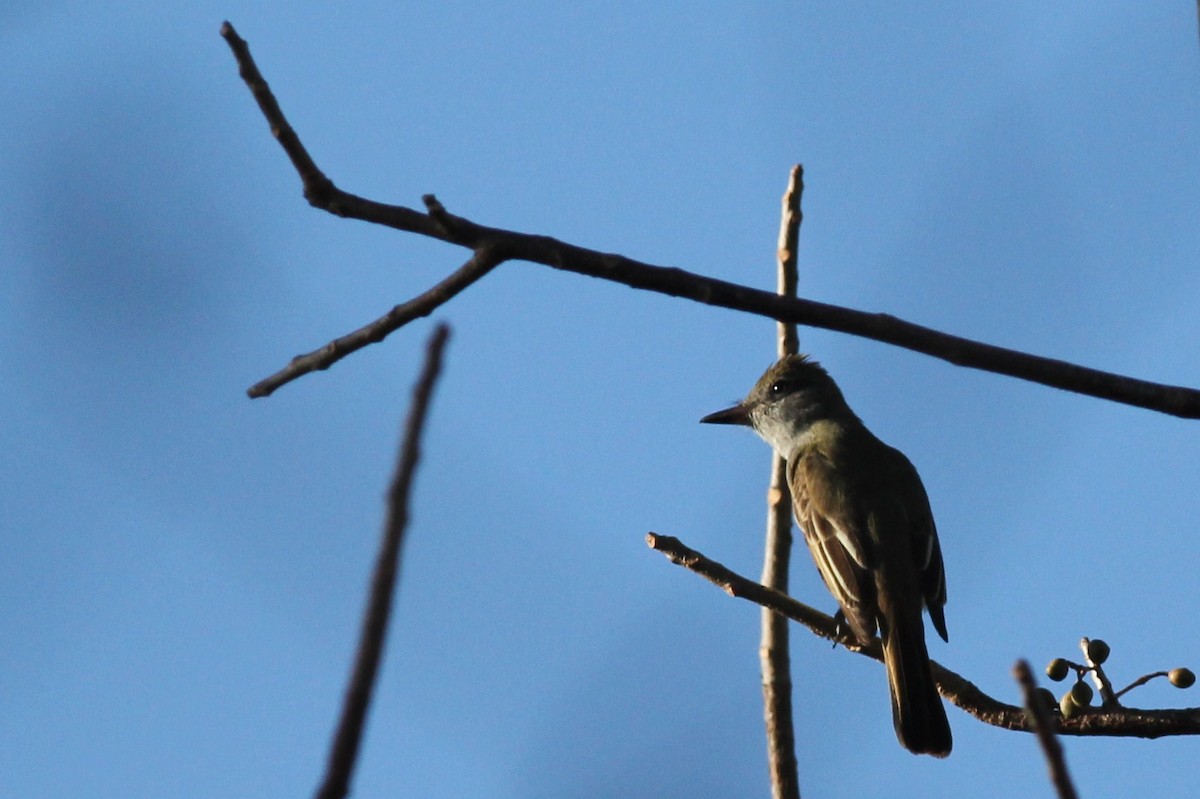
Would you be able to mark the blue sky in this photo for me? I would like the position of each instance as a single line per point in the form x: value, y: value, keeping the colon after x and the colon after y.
x: 184, y: 568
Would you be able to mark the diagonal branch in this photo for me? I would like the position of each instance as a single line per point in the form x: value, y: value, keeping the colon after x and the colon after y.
x: 343, y: 750
x: 1118, y: 722
x: 320, y: 192
x: 1043, y: 726
x: 482, y: 262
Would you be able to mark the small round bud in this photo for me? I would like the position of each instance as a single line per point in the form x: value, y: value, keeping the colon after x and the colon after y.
x: 1067, y: 706
x: 1181, y: 678
x: 1057, y: 670
x: 1047, y: 697
x: 1081, y: 694
x: 1097, y: 651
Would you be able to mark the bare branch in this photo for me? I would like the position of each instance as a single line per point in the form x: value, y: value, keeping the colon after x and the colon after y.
x: 511, y: 245
x: 482, y: 262
x: 280, y: 129
x: 774, y: 655
x: 344, y: 748
x: 960, y: 692
x: 1043, y: 725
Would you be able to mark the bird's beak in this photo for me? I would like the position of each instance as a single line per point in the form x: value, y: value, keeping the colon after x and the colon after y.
x: 738, y: 414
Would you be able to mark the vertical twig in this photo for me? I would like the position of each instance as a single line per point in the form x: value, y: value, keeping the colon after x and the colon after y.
x: 787, y: 255
x: 773, y: 649
x: 1104, y: 686
x: 1043, y: 726
x: 344, y: 749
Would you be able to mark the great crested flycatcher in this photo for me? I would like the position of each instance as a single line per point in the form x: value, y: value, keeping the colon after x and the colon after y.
x: 868, y: 525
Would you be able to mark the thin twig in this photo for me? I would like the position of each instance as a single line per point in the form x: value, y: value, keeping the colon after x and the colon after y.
x: 280, y: 129
x: 788, y: 254
x: 1140, y: 681
x: 1043, y: 725
x: 960, y: 692
x: 344, y: 749
x: 774, y: 653
x: 482, y: 262
x: 322, y: 193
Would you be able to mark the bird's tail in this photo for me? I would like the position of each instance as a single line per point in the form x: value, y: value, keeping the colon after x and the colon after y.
x: 917, y: 711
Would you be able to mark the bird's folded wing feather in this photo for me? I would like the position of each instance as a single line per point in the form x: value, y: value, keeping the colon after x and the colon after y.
x: 836, y: 539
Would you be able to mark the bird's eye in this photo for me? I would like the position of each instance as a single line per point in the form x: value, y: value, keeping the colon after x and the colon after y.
x: 779, y: 388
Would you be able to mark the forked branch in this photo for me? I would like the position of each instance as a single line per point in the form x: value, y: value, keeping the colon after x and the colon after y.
x: 1116, y: 722
x: 511, y: 245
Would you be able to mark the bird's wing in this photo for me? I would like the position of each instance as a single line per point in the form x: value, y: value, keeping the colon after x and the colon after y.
x: 923, y: 537
x: 835, y: 537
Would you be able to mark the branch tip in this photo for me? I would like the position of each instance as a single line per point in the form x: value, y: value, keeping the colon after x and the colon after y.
x: 422, y: 305
x: 344, y: 748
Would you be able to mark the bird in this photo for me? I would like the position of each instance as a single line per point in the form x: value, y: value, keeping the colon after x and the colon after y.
x: 867, y: 521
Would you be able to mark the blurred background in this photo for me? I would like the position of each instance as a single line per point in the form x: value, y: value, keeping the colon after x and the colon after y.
x: 183, y: 568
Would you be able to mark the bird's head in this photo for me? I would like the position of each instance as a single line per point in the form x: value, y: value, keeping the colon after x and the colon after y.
x: 787, y: 400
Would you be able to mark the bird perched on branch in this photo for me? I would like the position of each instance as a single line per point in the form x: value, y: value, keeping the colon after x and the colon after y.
x: 866, y: 518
